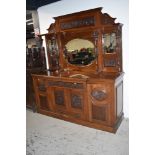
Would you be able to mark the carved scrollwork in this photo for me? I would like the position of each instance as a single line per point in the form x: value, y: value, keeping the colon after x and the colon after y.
x: 76, y: 101
x: 107, y: 19
x: 99, y: 94
x: 110, y: 63
x: 42, y: 87
x: 66, y: 84
x: 51, y: 29
x: 88, y: 21
x: 59, y: 97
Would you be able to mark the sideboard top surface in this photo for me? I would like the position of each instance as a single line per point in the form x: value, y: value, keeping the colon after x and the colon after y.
x: 81, y: 76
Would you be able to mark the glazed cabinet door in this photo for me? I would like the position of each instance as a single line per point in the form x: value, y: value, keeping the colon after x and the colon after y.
x: 112, y: 49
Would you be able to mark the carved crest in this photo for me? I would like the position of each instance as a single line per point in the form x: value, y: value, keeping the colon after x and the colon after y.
x: 98, y: 94
x: 51, y: 29
x: 107, y: 19
x: 76, y: 101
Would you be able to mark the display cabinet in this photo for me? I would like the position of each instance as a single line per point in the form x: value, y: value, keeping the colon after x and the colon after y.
x: 85, y: 82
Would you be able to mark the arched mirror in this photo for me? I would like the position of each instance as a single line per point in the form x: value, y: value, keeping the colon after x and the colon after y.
x: 79, y: 52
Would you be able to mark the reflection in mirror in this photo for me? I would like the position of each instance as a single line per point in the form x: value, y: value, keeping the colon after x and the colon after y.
x: 109, y: 42
x: 79, y: 52
x: 53, y: 52
x: 52, y: 47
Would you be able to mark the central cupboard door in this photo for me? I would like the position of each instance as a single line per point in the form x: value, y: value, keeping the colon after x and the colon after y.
x: 68, y: 101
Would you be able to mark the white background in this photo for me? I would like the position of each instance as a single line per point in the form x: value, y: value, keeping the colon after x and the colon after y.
x: 141, y: 76
x: 117, y: 9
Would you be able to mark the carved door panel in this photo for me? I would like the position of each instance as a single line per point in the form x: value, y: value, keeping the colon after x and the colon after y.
x: 100, y: 103
x: 58, y: 99
x: 41, y: 85
x: 43, y: 102
x: 77, y: 104
x: 41, y: 92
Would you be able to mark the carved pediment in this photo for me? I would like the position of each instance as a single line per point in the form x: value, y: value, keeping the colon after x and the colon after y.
x: 107, y: 19
x: 51, y: 29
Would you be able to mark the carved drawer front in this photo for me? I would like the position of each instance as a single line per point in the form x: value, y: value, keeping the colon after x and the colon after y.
x: 110, y: 62
x: 101, y: 93
x: 59, y: 97
x: 65, y: 84
x: 76, y: 100
x: 41, y: 85
x: 76, y: 115
x: 43, y: 102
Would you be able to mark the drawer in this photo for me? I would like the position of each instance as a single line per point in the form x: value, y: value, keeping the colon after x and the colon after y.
x: 73, y: 85
x: 41, y: 85
x: 76, y: 115
x: 101, y: 93
x: 79, y: 115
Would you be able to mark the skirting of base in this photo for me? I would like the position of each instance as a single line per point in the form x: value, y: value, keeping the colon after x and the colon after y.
x: 84, y: 123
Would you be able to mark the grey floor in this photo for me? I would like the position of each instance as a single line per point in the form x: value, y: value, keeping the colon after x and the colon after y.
x: 50, y: 136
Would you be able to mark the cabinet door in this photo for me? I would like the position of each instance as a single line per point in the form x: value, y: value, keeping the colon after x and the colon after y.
x: 68, y: 98
x: 112, y: 49
x: 41, y: 94
x: 77, y: 103
x: 58, y: 99
x: 43, y: 102
x: 100, y: 103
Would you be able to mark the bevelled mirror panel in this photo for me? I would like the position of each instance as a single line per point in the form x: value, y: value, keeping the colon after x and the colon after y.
x: 79, y: 52
x: 52, y: 46
x: 109, y: 42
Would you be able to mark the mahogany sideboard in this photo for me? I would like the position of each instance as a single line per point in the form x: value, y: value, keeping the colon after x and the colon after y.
x: 94, y: 100
x: 84, y: 83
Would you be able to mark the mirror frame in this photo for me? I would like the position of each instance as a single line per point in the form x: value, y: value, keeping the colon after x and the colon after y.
x: 70, y: 35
